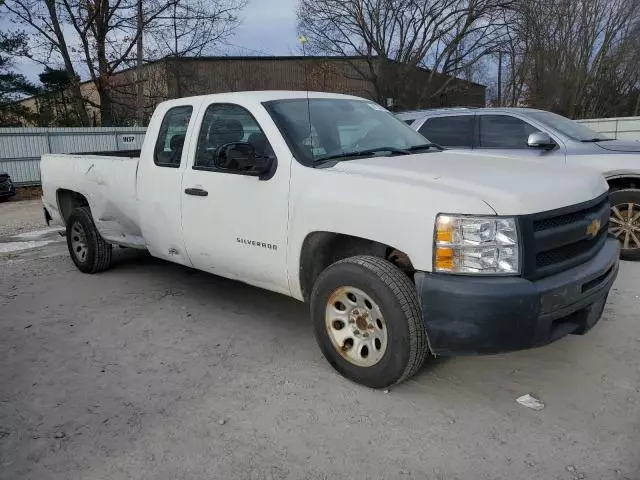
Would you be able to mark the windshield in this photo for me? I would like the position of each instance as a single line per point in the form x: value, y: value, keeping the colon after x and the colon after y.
x: 322, y: 128
x: 565, y: 126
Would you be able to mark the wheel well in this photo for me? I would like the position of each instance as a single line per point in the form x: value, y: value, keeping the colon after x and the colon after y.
x: 623, y: 182
x: 69, y: 200
x: 321, y: 249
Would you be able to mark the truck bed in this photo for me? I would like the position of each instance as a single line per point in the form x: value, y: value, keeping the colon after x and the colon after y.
x: 112, y: 153
x: 107, y: 181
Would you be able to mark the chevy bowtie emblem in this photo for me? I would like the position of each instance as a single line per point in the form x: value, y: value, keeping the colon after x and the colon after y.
x: 593, y: 228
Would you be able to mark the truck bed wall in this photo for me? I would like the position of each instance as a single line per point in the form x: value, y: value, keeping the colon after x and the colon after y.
x: 109, y: 185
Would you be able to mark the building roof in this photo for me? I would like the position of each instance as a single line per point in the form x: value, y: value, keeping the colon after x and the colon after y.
x: 297, y: 58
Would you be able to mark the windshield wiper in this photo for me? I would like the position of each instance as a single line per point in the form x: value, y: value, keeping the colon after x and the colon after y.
x: 593, y: 140
x: 371, y: 151
x: 425, y: 146
x: 360, y: 153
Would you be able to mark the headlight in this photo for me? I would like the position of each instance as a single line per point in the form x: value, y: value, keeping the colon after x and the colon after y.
x: 476, y: 245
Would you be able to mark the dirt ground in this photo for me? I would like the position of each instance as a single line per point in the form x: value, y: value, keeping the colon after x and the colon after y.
x: 154, y: 371
x: 20, y: 216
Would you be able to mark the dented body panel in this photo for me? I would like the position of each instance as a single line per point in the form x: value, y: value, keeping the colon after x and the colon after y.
x: 109, y: 185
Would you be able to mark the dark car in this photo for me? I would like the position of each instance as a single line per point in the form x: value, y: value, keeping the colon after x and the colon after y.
x: 7, y: 189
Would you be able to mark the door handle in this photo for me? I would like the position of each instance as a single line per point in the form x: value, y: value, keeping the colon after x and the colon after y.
x: 198, y: 192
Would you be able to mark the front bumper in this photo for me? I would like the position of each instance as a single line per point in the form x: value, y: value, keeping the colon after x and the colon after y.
x: 467, y: 315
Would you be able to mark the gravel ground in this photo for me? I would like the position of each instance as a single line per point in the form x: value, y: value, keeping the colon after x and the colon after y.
x: 155, y: 371
x: 20, y: 216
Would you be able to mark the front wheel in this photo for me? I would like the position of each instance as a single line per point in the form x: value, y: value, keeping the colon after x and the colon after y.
x: 624, y: 222
x: 87, y: 248
x: 368, y: 322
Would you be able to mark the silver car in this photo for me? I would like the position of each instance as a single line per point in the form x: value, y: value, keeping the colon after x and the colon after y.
x: 544, y: 136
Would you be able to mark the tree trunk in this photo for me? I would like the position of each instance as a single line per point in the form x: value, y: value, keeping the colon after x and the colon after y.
x: 106, y: 105
x: 76, y: 91
x: 139, y: 86
x: 78, y: 101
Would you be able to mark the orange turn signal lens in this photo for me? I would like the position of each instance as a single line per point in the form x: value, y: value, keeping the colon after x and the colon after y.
x: 444, y: 258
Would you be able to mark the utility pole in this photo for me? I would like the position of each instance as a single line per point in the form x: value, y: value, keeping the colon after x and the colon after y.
x: 139, y: 84
x: 500, y: 78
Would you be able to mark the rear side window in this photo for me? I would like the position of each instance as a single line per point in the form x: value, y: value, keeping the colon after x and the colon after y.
x: 452, y: 131
x: 504, y: 131
x: 171, y: 137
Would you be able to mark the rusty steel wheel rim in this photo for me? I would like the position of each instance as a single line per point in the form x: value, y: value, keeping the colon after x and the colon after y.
x: 356, y: 326
x: 624, y: 224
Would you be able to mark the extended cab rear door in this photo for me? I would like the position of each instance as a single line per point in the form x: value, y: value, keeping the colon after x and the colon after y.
x: 235, y: 224
x: 159, y: 179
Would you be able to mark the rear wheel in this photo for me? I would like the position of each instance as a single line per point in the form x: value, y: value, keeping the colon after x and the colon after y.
x: 624, y: 222
x: 368, y: 322
x: 87, y: 248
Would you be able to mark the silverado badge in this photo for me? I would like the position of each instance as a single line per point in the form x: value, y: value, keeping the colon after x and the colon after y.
x: 593, y: 228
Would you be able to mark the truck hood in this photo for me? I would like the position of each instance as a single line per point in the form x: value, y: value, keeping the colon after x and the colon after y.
x: 620, y: 146
x: 609, y: 163
x: 508, y: 186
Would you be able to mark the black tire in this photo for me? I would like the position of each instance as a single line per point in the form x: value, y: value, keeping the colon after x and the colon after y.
x: 98, y: 252
x: 621, y: 199
x: 396, y: 296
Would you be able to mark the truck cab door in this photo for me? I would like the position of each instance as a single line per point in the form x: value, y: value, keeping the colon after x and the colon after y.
x: 159, y: 179
x: 234, y: 223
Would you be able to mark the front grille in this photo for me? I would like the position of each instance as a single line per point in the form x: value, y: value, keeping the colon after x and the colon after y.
x: 558, y: 255
x: 566, y: 219
x: 558, y: 240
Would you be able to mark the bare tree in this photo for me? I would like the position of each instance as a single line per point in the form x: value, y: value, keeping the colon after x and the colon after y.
x: 47, y: 41
x: 579, y: 58
x: 445, y: 37
x: 104, y: 36
x: 194, y: 27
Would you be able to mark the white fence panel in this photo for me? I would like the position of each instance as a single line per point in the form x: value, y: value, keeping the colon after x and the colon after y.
x: 623, y: 128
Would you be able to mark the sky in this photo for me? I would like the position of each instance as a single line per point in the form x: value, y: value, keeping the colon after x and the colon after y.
x: 268, y: 28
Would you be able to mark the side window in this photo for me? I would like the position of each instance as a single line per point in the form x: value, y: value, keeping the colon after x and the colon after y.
x: 223, y: 124
x: 451, y: 131
x: 173, y: 131
x: 504, y: 131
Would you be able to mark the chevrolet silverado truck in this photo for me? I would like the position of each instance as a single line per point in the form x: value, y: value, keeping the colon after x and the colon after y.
x: 401, y: 250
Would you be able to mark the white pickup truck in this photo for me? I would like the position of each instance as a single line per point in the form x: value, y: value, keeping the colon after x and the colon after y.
x: 400, y: 249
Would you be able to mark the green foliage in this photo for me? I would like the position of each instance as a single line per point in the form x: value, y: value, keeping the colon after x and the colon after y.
x: 13, y: 85
x: 55, y: 108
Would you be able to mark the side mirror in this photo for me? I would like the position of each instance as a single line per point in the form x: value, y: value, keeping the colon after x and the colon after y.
x: 241, y: 157
x: 541, y: 140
